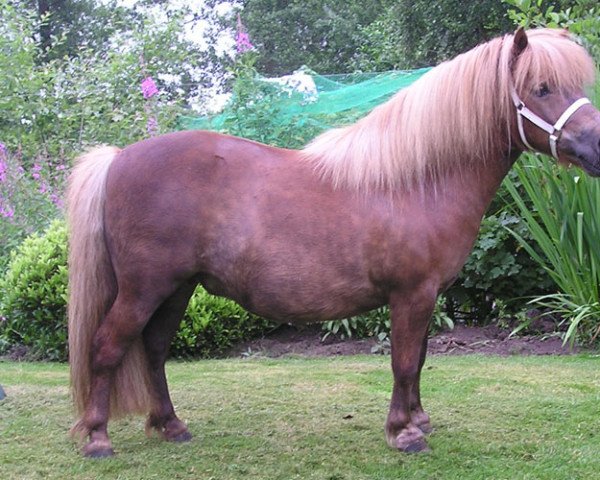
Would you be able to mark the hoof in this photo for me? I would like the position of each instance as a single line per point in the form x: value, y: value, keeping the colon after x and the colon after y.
x: 182, y: 437
x: 409, y: 440
x: 102, y: 452
x: 420, y: 446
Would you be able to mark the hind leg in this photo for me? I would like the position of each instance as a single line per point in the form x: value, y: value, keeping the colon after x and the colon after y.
x: 120, y: 328
x: 157, y: 338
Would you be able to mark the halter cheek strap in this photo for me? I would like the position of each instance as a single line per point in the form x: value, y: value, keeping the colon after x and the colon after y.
x: 552, y: 130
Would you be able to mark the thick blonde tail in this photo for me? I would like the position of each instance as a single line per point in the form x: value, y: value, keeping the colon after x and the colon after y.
x: 93, y: 289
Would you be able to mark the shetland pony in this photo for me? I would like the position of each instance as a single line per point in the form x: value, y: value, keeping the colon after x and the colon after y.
x: 384, y: 211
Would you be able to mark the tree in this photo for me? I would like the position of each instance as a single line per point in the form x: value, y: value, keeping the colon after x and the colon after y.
x: 65, y: 26
x: 321, y: 34
x: 416, y: 33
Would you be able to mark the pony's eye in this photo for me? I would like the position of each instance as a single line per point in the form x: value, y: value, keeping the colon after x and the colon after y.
x: 543, y: 90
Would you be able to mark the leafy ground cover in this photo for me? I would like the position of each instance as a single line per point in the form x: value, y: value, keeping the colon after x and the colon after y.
x: 495, y: 418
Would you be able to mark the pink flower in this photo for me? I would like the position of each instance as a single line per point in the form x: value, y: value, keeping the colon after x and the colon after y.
x: 36, y: 169
x: 3, y: 170
x: 242, y: 39
x: 149, y: 88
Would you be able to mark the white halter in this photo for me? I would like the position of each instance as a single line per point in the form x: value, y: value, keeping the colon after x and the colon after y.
x: 552, y: 130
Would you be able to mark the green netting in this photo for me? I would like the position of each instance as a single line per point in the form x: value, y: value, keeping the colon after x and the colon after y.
x: 305, y: 98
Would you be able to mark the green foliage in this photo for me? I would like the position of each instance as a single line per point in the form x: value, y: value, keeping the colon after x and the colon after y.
x: 322, y: 35
x: 33, y: 306
x: 564, y: 225
x: 27, y: 204
x: 580, y: 17
x: 255, y: 112
x: 212, y: 325
x: 409, y: 34
x: 64, y: 25
x: 374, y: 35
x: 33, y: 295
x: 56, y: 108
x: 499, y: 274
x: 377, y: 323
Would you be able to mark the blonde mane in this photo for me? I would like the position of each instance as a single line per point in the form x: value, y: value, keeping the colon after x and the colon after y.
x: 457, y: 114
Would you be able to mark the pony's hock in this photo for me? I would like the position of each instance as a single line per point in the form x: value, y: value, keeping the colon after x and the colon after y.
x: 383, y: 211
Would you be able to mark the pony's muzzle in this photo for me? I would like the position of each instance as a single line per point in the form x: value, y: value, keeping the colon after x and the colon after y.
x: 582, y: 149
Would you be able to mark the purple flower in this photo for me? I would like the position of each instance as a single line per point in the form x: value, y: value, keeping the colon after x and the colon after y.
x: 3, y: 150
x: 3, y: 170
x: 152, y: 126
x: 149, y: 88
x: 242, y: 39
x: 7, y: 211
x: 36, y: 169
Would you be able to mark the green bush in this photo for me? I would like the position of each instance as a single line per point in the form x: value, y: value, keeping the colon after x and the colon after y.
x: 212, y: 325
x: 33, y: 295
x: 499, y: 275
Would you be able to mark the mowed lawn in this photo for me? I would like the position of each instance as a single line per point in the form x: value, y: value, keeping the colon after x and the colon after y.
x: 494, y: 418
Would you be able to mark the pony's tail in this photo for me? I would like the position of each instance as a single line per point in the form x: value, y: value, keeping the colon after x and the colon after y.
x: 93, y: 289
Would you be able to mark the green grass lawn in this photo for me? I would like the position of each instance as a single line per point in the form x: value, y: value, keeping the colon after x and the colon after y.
x: 494, y: 418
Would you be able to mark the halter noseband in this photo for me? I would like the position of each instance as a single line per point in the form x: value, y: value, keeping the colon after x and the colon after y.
x: 552, y: 130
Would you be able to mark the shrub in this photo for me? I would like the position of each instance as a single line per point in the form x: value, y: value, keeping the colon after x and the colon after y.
x: 499, y: 274
x: 212, y: 325
x: 33, y: 296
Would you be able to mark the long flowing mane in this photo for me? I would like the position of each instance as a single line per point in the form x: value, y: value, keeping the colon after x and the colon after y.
x: 456, y: 115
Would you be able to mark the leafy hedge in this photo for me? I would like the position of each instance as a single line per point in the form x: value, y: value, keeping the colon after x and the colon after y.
x: 33, y: 294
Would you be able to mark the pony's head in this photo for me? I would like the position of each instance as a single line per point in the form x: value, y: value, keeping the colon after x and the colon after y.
x: 551, y: 112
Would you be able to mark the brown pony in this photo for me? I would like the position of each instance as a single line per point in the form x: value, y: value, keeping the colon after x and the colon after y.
x: 384, y: 211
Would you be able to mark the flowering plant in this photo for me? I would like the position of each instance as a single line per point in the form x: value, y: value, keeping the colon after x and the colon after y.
x: 149, y: 88
x: 242, y: 39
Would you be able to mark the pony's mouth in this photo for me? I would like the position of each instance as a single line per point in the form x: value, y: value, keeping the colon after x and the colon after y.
x: 585, y: 156
x: 591, y: 167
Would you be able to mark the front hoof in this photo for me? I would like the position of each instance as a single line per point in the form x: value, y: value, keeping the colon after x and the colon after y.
x: 181, y: 437
x: 409, y: 440
x: 94, y: 450
x: 420, y: 446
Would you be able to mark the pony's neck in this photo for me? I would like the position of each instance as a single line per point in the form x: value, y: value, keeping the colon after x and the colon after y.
x: 454, y: 117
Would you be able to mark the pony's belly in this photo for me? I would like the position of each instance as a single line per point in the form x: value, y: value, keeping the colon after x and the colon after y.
x: 292, y: 300
x: 312, y: 302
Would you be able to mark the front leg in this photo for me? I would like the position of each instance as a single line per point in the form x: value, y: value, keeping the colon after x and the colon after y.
x: 411, y: 313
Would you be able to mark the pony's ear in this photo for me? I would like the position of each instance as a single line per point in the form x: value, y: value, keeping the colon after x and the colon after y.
x: 520, y: 42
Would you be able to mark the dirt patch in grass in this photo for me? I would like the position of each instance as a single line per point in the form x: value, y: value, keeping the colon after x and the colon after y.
x: 491, y: 340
